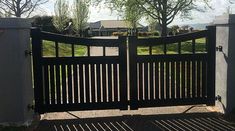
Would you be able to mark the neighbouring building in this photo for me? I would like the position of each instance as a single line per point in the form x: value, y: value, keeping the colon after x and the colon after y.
x: 107, y: 27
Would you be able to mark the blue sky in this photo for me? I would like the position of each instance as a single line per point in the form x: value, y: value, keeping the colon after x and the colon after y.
x: 103, y: 13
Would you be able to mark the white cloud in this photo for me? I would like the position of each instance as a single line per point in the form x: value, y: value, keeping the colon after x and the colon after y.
x: 102, y: 13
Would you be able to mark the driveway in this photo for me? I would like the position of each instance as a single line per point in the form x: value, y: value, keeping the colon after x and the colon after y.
x: 185, y: 118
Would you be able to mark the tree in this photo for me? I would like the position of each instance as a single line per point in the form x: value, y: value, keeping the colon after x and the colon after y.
x: 132, y: 14
x: 153, y: 25
x: 175, y: 29
x: 80, y: 16
x: 61, y: 18
x: 18, y: 8
x: 165, y: 11
x: 128, y: 9
x: 45, y: 23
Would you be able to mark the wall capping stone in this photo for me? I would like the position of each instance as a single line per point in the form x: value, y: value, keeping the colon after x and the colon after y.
x: 228, y: 19
x: 15, y: 23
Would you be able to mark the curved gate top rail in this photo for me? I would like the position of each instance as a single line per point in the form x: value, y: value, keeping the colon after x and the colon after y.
x: 66, y: 83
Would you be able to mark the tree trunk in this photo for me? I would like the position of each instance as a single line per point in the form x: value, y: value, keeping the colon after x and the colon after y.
x: 164, y: 19
x: 17, y: 12
x: 164, y: 28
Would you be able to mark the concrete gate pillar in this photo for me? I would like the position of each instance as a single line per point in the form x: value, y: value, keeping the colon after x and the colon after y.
x: 16, y: 91
x: 225, y: 62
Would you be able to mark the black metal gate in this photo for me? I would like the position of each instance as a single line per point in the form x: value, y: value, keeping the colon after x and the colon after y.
x: 183, y: 78
x: 79, y: 82
x: 100, y: 82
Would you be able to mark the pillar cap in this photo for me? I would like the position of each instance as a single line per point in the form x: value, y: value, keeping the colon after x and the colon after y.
x: 15, y: 23
x: 226, y: 19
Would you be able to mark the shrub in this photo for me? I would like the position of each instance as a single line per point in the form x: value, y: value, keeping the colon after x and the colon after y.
x: 119, y: 34
x: 156, y: 33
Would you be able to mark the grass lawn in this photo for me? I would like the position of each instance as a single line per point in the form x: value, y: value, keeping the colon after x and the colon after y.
x: 65, y: 50
x: 186, y: 47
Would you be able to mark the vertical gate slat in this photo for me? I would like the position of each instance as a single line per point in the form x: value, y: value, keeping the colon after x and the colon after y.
x: 211, y: 40
x: 73, y: 52
x: 115, y: 82
x: 188, y: 79
x: 193, y: 46
x: 98, y: 83
x: 75, y: 77
x: 183, y: 78
x: 109, y: 83
x: 57, y: 68
x: 64, y: 96
x: 58, y: 90
x: 104, y: 83
x: 123, y: 72
x: 141, y: 81
x: 151, y: 81
x: 87, y: 86
x: 173, y: 80
x: 46, y: 81
x: 204, y: 78
x: 162, y: 77
x: 157, y: 80
x: 198, y: 78
x: 178, y: 79
x: 88, y: 51
x: 193, y: 78
x: 93, y: 83
x: 146, y: 81
x: 37, y: 70
x: 167, y: 81
x: 81, y: 83
x: 52, y: 83
x: 69, y: 75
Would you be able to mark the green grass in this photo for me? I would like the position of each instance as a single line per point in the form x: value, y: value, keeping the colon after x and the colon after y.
x: 65, y: 50
x: 186, y: 47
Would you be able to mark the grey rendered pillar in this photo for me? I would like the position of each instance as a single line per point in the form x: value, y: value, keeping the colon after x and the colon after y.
x: 16, y: 91
x: 225, y: 63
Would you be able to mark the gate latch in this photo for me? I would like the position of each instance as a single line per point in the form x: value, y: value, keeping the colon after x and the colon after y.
x: 30, y: 107
x: 27, y: 52
x: 219, y: 48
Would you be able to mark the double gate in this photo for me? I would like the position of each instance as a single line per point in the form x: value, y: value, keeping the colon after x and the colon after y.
x: 127, y: 79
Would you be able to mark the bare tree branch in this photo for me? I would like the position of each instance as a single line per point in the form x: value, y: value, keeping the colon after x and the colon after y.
x: 18, y: 8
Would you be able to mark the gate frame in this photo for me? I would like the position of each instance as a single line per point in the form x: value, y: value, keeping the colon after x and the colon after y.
x: 211, y: 53
x: 37, y: 40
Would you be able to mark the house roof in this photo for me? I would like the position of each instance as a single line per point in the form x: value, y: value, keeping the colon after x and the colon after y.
x: 111, y: 24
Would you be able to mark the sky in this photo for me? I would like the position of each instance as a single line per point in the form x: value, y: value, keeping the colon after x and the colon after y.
x: 103, y: 13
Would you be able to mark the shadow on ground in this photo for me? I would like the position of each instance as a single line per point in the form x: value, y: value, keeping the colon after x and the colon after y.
x: 191, y: 121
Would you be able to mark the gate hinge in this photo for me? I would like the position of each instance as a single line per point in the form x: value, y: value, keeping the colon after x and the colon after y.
x: 31, y: 107
x: 218, y: 98
x: 27, y: 52
x: 219, y: 48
